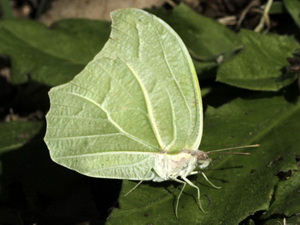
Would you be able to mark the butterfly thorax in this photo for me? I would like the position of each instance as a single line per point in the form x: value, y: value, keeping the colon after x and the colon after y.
x: 168, y: 166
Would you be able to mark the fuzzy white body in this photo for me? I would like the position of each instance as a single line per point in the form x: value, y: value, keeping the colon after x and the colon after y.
x: 183, y: 164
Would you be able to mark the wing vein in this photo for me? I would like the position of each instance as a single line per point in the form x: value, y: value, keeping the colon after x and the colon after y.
x: 112, y: 77
x: 149, y: 107
x: 84, y: 136
x: 122, y: 166
x: 113, y: 122
x: 108, y: 153
x: 173, y: 122
x: 76, y: 117
x: 173, y: 75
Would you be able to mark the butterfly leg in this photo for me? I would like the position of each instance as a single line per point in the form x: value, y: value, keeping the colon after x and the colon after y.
x: 198, y: 192
x: 205, y: 177
x: 194, y: 172
x: 138, y: 184
x: 132, y: 189
x: 178, y: 197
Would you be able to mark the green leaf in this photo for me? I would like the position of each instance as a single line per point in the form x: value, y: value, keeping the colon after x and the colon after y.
x: 287, y: 198
x: 50, y: 56
x: 17, y: 133
x: 293, y: 7
x: 6, y: 9
x: 260, y: 66
x: 138, y: 98
x: 205, y: 38
x: 247, y: 181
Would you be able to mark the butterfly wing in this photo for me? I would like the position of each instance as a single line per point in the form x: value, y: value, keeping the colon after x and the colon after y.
x: 137, y: 98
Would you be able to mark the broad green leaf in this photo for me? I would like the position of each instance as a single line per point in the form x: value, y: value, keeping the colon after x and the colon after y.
x: 139, y: 97
x: 293, y: 7
x: 247, y: 181
x: 50, y: 56
x: 261, y: 64
x: 277, y: 7
x: 287, y: 198
x: 205, y: 38
x: 16, y: 133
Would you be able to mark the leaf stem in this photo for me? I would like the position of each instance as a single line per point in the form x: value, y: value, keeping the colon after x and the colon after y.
x: 265, y: 17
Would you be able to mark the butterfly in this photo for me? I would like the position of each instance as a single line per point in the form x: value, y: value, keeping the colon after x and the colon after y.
x: 135, y: 111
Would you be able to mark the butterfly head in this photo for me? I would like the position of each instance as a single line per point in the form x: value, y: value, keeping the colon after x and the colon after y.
x: 203, y: 159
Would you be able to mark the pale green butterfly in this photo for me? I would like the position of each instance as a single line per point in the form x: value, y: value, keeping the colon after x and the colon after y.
x: 135, y: 111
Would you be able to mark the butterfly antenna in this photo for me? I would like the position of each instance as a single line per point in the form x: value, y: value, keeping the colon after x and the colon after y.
x: 232, y: 148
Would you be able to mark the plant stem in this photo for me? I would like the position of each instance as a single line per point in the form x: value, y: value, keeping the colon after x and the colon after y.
x: 265, y: 17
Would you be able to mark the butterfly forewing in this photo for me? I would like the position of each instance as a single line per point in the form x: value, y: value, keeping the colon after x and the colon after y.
x: 138, y: 97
